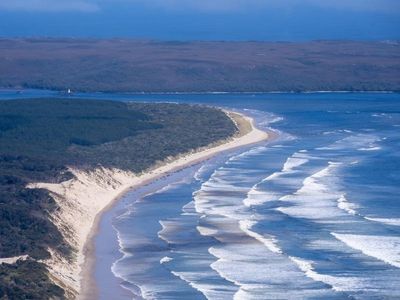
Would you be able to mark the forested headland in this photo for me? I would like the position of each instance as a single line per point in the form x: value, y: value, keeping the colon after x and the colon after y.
x: 41, y: 139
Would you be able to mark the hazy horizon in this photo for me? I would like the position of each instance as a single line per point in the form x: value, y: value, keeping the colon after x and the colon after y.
x: 234, y: 20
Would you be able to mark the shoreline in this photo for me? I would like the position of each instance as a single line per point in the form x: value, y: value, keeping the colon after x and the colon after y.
x: 63, y: 92
x: 88, y: 284
x: 84, y: 199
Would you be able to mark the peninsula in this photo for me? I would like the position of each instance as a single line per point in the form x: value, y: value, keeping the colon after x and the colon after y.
x: 71, y: 170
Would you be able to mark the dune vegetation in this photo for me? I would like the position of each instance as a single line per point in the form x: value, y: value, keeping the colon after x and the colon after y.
x: 41, y: 139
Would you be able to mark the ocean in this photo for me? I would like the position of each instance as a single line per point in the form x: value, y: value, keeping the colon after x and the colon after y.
x: 313, y: 214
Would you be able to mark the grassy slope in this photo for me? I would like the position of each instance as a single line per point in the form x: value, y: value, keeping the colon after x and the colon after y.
x: 40, y: 138
x: 127, y: 65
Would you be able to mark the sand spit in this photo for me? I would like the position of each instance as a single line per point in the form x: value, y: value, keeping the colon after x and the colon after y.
x: 82, y: 200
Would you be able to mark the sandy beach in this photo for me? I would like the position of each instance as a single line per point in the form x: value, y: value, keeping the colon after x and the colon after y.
x: 85, y: 198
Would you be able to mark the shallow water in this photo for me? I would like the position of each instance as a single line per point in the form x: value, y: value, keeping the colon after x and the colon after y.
x: 312, y: 215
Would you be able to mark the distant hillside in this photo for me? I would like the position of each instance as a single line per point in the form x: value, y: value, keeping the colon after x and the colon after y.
x: 149, y: 66
x: 40, y: 139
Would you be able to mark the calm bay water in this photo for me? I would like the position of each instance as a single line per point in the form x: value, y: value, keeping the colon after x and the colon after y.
x: 314, y: 214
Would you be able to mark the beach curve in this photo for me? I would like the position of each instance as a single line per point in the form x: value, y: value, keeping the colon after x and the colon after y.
x: 84, y: 199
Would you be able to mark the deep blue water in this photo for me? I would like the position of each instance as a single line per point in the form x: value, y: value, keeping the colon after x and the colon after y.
x: 208, y: 20
x: 314, y: 214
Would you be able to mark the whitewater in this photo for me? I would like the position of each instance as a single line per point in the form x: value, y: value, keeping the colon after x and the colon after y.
x: 313, y: 214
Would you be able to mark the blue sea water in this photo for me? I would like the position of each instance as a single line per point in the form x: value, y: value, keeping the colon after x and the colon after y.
x: 314, y: 214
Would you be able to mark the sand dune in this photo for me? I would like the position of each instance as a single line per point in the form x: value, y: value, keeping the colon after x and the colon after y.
x: 83, y: 199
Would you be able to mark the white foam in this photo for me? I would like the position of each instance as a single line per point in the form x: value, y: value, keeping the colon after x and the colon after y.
x: 370, y: 149
x: 120, y: 270
x: 168, y: 226
x: 293, y: 162
x: 316, y: 199
x: 165, y: 259
x: 384, y: 248
x: 272, y: 176
x: 130, y: 210
x: 166, y: 188
x: 235, y: 266
x: 320, y: 212
x: 337, y: 283
x: 346, y: 205
x: 328, y: 132
x: 267, y: 117
x: 209, y: 203
x: 206, y: 231
x: 388, y: 221
x: 358, y: 141
x: 258, y: 273
x: 252, y: 151
x: 377, y: 115
x: 258, y: 197
x: 351, y: 208
x: 164, y: 225
x: 210, y: 290
x: 198, y: 175
x: 270, y: 243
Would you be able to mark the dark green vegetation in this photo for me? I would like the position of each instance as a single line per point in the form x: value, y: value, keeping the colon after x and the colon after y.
x: 136, y: 66
x: 27, y: 280
x: 39, y: 139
